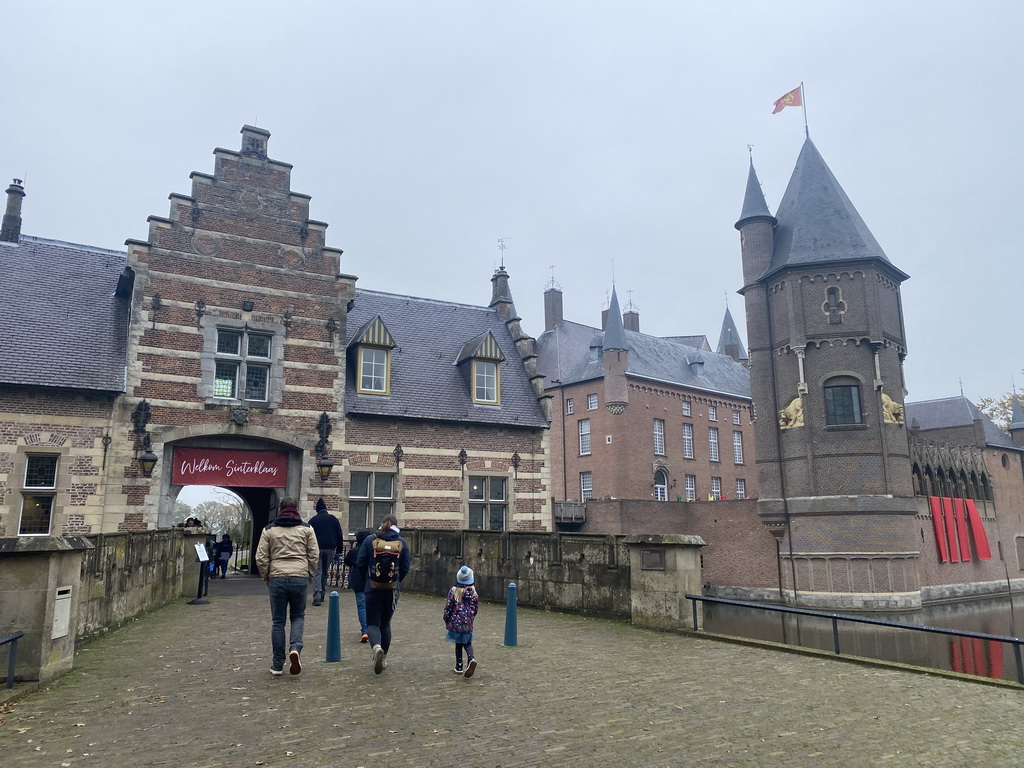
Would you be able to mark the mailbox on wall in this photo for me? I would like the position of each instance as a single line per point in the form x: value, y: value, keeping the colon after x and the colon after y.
x: 61, y: 613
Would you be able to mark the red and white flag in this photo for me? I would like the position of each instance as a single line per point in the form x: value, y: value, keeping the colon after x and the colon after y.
x: 792, y: 99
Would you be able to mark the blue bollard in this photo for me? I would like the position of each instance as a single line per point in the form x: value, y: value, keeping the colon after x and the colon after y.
x: 511, y: 635
x: 333, y: 628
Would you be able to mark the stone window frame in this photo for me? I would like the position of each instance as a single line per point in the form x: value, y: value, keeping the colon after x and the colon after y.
x: 389, y: 504
x: 737, y: 446
x: 660, y: 488
x: 713, y: 444
x: 716, y: 489
x: 486, y: 500
x: 592, y: 401
x: 687, y: 406
x: 690, y: 487
x: 568, y: 406
x: 59, y: 493
x: 209, y: 358
x: 687, y: 441
x: 843, y: 381
x: 586, y: 486
x: 741, y: 488
x: 737, y: 418
x: 659, y: 437
x: 712, y: 412
x: 584, y: 435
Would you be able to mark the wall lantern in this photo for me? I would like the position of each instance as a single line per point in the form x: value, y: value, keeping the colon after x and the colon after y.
x: 463, y: 458
x: 148, y: 459
x: 323, y: 465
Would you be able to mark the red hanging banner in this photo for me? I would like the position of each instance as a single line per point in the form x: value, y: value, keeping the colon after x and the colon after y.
x: 980, y: 539
x: 216, y: 466
x: 961, y: 529
x: 935, y: 504
x: 947, y: 513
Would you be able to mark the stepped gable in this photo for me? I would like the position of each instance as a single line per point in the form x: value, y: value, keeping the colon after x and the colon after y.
x: 426, y: 382
x: 817, y: 223
x: 64, y: 309
x: 948, y: 412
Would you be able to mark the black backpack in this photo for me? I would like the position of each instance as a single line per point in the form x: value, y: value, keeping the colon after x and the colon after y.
x: 384, y: 565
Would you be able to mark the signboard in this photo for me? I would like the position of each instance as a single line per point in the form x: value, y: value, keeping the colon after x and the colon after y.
x: 216, y: 466
x: 202, y: 554
x: 652, y: 559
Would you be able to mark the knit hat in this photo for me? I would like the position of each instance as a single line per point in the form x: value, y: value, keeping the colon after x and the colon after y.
x: 464, y: 577
x: 320, y: 505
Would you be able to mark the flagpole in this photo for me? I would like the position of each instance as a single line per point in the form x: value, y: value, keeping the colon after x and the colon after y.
x: 803, y: 101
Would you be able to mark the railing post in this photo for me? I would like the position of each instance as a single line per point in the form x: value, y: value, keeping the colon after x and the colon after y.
x: 693, y: 603
x: 1020, y: 666
x: 835, y: 633
x: 12, y: 657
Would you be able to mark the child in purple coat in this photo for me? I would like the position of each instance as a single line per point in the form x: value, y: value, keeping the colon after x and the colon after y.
x: 459, y: 612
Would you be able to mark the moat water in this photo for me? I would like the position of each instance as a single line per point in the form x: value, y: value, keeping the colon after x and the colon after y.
x: 975, y: 656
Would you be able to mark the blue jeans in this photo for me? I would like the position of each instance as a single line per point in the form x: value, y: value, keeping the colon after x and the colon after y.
x: 320, y: 580
x: 380, y: 608
x: 361, y: 610
x: 287, y: 595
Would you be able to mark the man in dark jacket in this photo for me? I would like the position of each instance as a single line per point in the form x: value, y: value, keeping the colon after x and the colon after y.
x: 382, y: 599
x: 330, y: 539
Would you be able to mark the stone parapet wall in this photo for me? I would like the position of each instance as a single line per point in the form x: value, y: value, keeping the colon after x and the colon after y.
x: 580, y: 573
x: 127, y: 574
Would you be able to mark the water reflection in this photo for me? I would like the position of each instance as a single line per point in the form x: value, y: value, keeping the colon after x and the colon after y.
x: 924, y: 649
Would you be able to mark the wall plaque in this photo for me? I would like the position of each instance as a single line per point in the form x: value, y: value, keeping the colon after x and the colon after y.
x: 652, y: 559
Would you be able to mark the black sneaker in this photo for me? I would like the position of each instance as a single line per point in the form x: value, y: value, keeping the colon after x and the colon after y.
x: 470, y: 668
x: 458, y: 669
x: 295, y: 667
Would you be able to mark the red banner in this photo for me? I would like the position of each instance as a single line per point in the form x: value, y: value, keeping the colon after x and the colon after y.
x: 244, y: 469
x: 954, y: 545
x: 940, y: 534
x: 980, y: 539
x: 961, y: 530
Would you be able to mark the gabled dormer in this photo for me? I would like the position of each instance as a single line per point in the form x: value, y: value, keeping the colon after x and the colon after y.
x: 370, y: 353
x: 480, y: 357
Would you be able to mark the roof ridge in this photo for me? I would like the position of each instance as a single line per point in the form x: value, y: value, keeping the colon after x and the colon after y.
x: 66, y: 244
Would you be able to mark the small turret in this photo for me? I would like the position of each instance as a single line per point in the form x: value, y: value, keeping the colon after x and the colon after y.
x: 1017, y: 421
x: 10, y: 232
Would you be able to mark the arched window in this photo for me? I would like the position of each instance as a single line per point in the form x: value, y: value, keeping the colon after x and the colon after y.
x: 842, y: 401
x: 918, y: 482
x: 660, y: 486
x: 929, y: 482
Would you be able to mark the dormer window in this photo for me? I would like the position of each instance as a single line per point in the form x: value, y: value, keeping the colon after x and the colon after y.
x: 373, y: 344
x: 483, y: 355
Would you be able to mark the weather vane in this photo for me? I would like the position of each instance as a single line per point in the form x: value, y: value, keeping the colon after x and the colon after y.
x: 502, y: 247
x: 552, y: 283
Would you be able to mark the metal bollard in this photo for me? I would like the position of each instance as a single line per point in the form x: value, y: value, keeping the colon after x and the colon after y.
x: 511, y: 635
x: 333, y: 627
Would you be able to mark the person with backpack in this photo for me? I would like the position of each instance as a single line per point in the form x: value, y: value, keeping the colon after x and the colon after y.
x: 224, y: 549
x: 385, y: 560
x: 459, y: 612
x: 357, y: 582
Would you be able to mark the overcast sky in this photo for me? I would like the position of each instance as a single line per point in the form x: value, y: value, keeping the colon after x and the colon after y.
x: 601, y: 138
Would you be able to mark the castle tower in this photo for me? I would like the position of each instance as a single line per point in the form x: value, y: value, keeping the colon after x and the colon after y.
x: 729, y: 342
x: 615, y: 358
x: 827, y: 342
x: 1017, y: 421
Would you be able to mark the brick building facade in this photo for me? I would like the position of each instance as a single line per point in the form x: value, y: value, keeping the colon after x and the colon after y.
x: 230, y: 349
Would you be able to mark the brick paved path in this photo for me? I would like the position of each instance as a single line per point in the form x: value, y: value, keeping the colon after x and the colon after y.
x: 189, y: 686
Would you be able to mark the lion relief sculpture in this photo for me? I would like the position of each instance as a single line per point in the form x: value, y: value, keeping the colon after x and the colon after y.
x: 892, y: 412
x: 793, y: 414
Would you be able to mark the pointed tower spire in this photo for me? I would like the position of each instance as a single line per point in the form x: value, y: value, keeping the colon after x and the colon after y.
x: 729, y: 342
x: 754, y: 205
x: 615, y: 334
x: 817, y: 223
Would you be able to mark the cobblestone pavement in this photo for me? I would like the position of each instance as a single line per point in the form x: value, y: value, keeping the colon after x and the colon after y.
x: 189, y: 685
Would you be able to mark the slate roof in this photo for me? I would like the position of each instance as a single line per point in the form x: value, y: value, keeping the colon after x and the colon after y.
x: 614, y: 335
x: 426, y: 383
x: 62, y: 324
x: 951, y: 412
x: 699, y: 342
x: 817, y: 223
x: 650, y: 357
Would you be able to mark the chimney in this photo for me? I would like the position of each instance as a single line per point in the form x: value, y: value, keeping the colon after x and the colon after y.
x: 552, y: 308
x: 631, y: 320
x: 10, y: 232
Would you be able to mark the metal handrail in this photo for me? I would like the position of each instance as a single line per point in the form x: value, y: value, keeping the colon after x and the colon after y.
x: 13, y: 639
x: 837, y: 617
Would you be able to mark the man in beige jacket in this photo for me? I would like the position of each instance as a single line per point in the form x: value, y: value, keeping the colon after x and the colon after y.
x: 287, y: 558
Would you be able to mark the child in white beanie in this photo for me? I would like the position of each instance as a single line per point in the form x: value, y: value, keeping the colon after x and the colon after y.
x: 459, y: 611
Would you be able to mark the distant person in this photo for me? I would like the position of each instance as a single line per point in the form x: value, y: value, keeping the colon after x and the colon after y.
x: 330, y: 539
x: 459, y: 612
x: 287, y: 558
x: 357, y: 582
x: 384, y: 558
x: 225, y: 548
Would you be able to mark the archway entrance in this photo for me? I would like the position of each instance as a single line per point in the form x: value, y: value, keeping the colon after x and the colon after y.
x: 258, y: 477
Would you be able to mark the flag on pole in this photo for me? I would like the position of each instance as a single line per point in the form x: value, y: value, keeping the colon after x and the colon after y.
x: 792, y: 99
